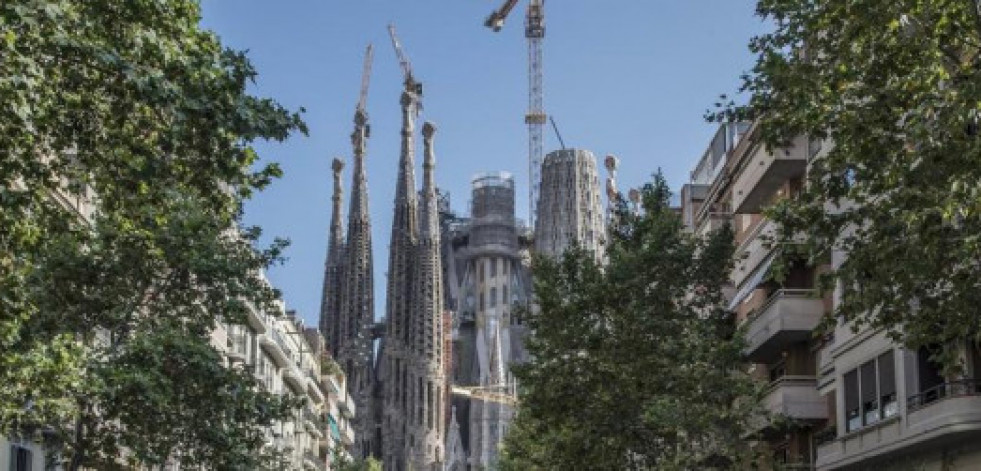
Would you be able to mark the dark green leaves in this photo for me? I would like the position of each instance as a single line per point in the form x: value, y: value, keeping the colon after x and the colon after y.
x: 895, y: 88
x: 635, y: 365
x: 125, y: 132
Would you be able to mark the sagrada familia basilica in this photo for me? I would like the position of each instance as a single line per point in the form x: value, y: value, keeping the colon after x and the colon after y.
x: 431, y: 380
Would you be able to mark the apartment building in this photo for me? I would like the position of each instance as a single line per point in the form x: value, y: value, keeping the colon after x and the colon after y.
x: 735, y: 180
x: 291, y: 359
x: 841, y: 400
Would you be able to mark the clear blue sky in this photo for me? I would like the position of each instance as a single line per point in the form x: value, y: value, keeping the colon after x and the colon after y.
x: 627, y: 77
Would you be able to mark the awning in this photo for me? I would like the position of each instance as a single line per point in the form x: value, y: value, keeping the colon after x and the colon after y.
x: 753, y: 281
x: 335, y: 431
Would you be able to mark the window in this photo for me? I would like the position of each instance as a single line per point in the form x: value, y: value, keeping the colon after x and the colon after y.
x: 887, y: 385
x: 493, y: 267
x: 870, y: 392
x: 853, y: 420
x: 481, y: 300
x: 21, y: 458
x: 493, y: 297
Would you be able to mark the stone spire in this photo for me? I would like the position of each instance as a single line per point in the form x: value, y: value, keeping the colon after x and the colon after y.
x: 330, y: 305
x: 429, y: 215
x: 355, y: 352
x: 428, y: 344
x: 456, y: 456
x: 403, y: 380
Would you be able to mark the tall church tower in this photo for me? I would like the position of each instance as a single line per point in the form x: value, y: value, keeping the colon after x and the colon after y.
x: 412, y: 360
x: 428, y: 352
x: 355, y: 353
x: 330, y: 304
x: 400, y: 381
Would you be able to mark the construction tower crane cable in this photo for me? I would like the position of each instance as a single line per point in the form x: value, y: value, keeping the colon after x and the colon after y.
x: 536, y: 117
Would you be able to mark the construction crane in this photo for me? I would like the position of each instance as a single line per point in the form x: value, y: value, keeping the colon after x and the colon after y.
x: 362, y: 130
x: 536, y: 117
x: 486, y: 393
x: 411, y: 85
x: 369, y: 54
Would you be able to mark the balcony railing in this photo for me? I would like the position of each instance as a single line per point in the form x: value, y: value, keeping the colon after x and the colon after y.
x: 280, y: 341
x: 787, y: 317
x: 316, y: 419
x: 959, y: 388
x: 318, y: 463
x: 764, y: 173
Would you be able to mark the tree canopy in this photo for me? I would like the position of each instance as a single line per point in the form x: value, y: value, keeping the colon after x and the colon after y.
x: 892, y: 91
x: 635, y: 363
x: 106, y: 318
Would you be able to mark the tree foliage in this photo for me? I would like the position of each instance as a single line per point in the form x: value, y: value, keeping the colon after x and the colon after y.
x: 105, y: 319
x: 894, y: 91
x: 344, y: 464
x: 635, y: 364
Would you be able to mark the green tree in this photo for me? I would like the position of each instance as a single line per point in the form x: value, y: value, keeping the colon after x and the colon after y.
x: 635, y: 363
x: 344, y: 464
x: 105, y: 319
x: 893, y: 89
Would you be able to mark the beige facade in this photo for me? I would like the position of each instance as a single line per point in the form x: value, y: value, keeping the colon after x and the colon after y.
x: 290, y: 359
x: 856, y: 400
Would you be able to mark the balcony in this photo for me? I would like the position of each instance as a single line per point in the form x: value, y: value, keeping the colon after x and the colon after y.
x: 314, y: 462
x: 765, y: 172
x: 947, y: 408
x: 788, y: 316
x: 796, y: 397
x: 713, y: 221
x: 273, y: 342
x: 346, y: 405
x: 315, y: 421
x: 348, y: 436
x: 947, y: 413
x: 334, y: 388
x: 754, y: 252
x: 255, y: 320
x: 295, y: 379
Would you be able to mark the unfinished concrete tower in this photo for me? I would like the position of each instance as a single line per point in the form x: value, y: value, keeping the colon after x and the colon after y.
x: 570, y: 209
x: 355, y: 353
x: 330, y: 304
